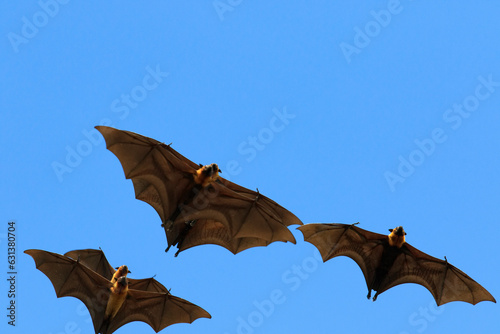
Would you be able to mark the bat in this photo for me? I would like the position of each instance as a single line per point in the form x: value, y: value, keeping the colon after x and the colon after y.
x: 388, y: 260
x: 195, y: 204
x: 112, y: 305
x: 96, y: 261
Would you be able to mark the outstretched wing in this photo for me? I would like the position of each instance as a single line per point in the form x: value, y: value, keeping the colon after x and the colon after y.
x: 209, y: 231
x: 243, y: 215
x: 146, y: 284
x: 332, y: 240
x: 94, y: 259
x: 73, y: 279
x: 164, y: 178
x: 160, y: 175
x: 158, y: 310
x: 446, y: 282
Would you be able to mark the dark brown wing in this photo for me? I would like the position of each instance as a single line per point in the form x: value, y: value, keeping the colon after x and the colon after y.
x: 160, y: 175
x: 242, y: 215
x: 146, y: 284
x: 207, y: 231
x: 73, y: 279
x: 446, y: 282
x: 94, y: 259
x: 270, y: 214
x: 158, y: 310
x: 332, y: 240
x: 163, y: 178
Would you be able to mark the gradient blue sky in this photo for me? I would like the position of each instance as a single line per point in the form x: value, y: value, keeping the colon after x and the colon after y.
x: 392, y: 119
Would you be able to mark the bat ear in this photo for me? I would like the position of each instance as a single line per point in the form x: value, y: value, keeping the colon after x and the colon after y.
x: 390, y: 230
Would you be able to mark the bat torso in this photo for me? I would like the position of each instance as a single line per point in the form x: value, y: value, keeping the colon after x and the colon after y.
x: 200, y: 179
x: 116, y: 299
x: 389, y: 256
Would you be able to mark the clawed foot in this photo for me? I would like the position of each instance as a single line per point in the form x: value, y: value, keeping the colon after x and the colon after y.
x: 167, y: 226
x: 370, y: 294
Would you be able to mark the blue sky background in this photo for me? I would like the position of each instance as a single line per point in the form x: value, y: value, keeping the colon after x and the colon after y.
x: 393, y: 119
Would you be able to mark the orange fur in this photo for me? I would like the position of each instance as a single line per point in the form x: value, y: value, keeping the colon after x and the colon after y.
x: 116, y: 298
x: 397, y: 240
x: 121, y: 271
x: 206, y: 174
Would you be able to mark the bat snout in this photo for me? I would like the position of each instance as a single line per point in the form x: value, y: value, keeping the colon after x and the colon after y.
x: 212, y: 169
x: 123, y: 270
x: 122, y: 280
x: 399, y: 231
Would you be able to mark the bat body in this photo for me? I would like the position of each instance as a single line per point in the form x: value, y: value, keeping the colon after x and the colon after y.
x: 387, y: 261
x: 112, y: 305
x: 118, y: 295
x: 96, y: 261
x: 195, y: 204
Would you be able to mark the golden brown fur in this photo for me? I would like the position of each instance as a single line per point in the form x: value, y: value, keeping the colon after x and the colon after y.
x: 397, y: 237
x: 121, y: 271
x: 117, y: 297
x: 206, y: 174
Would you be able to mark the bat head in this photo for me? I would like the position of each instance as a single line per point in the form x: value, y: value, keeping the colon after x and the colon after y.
x: 123, y: 270
x: 399, y: 231
x: 397, y: 236
x: 211, y: 170
x: 207, y: 174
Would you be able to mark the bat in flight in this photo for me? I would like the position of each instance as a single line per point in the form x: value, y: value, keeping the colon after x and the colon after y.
x: 113, y: 304
x: 387, y: 261
x: 195, y: 204
x: 96, y: 261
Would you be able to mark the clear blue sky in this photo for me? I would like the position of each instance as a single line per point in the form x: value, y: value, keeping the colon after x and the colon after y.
x: 389, y: 115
